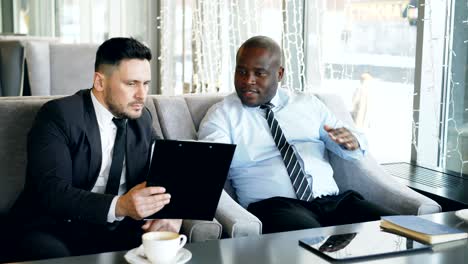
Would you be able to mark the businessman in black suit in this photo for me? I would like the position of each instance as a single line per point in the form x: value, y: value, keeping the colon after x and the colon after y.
x: 68, y: 206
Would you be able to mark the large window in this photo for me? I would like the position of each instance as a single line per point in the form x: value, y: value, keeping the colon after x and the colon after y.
x: 364, y: 50
x: 34, y: 18
x: 82, y: 20
x: 440, y: 112
x: 455, y: 133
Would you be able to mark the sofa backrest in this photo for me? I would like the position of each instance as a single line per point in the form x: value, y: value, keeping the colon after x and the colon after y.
x: 180, y: 116
x: 58, y: 68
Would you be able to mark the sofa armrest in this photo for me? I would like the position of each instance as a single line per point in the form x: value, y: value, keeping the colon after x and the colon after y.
x: 236, y: 220
x: 199, y: 231
x: 369, y: 179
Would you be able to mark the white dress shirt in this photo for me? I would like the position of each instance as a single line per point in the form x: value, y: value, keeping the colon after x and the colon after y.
x: 107, y: 131
x: 257, y: 171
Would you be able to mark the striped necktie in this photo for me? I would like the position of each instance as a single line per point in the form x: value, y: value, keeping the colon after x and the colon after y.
x: 296, y: 174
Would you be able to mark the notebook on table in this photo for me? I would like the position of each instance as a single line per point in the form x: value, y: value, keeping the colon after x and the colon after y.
x: 421, y: 229
x: 194, y: 173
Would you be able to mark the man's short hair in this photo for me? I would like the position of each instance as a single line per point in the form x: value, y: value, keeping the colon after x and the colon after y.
x: 263, y: 42
x: 114, y: 50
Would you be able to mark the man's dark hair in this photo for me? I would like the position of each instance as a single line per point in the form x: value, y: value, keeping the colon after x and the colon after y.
x: 114, y: 50
x: 263, y: 42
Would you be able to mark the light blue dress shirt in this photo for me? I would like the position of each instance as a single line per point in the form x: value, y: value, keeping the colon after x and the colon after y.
x: 257, y: 171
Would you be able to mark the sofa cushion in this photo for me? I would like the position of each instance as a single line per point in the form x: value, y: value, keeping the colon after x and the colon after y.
x: 150, y: 104
x: 38, y: 61
x: 175, y: 118
x: 66, y: 77
x: 198, y: 105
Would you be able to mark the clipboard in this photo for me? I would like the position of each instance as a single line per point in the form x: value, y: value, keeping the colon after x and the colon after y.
x: 194, y: 173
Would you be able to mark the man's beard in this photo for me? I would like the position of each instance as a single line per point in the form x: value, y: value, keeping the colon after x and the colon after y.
x: 118, y: 110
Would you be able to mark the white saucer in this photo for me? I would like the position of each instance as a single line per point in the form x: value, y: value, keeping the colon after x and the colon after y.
x: 462, y: 214
x: 137, y: 256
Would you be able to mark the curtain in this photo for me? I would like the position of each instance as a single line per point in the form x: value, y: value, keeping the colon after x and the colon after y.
x: 200, y: 38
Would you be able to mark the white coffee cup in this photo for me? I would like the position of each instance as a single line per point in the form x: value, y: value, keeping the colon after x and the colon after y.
x: 162, y: 247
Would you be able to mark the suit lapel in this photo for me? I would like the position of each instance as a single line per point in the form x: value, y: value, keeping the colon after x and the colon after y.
x: 94, y: 138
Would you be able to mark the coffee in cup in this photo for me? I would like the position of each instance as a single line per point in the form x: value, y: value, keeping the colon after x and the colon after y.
x: 162, y: 246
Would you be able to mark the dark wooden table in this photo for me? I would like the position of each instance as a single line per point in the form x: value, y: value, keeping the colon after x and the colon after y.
x: 284, y: 248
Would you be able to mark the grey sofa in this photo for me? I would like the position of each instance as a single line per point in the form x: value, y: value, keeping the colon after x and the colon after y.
x: 178, y: 117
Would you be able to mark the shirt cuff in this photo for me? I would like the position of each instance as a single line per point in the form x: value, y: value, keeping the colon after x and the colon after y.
x: 362, y: 141
x: 111, y: 214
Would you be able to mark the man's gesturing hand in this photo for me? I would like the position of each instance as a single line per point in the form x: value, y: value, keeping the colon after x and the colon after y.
x: 141, y: 201
x: 343, y: 137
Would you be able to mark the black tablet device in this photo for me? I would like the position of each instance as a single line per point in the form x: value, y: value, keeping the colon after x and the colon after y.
x: 194, y: 173
x: 352, y: 246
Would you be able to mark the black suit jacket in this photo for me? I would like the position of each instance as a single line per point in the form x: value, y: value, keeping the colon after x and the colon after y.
x: 64, y: 159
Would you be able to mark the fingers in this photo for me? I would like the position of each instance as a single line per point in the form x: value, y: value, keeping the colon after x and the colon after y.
x: 172, y: 225
x: 147, y: 225
x: 343, y: 137
x: 149, y: 190
x: 146, y: 206
x: 139, y: 203
x: 176, y: 224
x: 149, y: 197
x: 338, y: 135
x: 144, y: 198
x: 157, y: 225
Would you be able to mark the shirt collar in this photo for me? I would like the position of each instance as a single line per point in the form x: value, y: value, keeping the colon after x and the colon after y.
x: 280, y: 99
x: 103, y: 116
